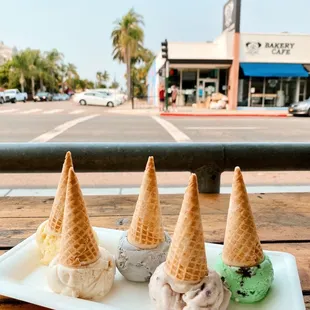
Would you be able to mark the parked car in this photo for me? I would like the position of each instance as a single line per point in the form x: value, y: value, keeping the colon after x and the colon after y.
x: 94, y: 98
x: 14, y: 95
x: 43, y: 96
x: 300, y: 108
x: 60, y: 97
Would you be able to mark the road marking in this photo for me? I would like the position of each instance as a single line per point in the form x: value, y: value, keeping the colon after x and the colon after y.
x: 176, y: 134
x: 77, y: 112
x: 31, y: 111
x: 52, y: 111
x: 8, y: 111
x: 62, y: 128
x: 222, y: 128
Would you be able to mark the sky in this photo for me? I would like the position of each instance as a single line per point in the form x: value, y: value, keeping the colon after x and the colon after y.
x: 81, y: 29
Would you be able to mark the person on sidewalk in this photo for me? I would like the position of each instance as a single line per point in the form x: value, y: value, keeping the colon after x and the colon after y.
x: 174, y: 95
x: 161, y: 98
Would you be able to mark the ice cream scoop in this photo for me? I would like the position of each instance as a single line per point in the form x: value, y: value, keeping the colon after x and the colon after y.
x: 145, y: 245
x: 49, y: 232
x: 247, y: 284
x: 81, y: 269
x: 167, y: 293
x: 243, y: 266
x: 138, y: 264
x: 184, y: 281
x: 92, y: 282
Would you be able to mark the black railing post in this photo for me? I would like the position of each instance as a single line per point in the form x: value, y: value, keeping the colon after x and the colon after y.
x: 209, y: 180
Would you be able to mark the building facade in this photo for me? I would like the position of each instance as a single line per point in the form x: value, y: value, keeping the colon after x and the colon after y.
x: 252, y: 69
x: 6, y: 53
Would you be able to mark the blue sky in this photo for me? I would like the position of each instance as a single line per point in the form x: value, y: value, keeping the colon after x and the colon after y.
x: 81, y: 29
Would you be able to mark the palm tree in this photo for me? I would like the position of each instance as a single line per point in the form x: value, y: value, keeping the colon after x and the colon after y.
x: 105, y: 76
x: 33, y: 64
x: 20, y: 67
x: 71, y: 73
x: 99, y: 78
x: 126, y: 38
x: 53, y: 61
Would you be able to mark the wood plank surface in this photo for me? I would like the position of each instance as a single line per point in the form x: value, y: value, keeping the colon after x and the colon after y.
x: 279, y: 217
x: 282, y: 221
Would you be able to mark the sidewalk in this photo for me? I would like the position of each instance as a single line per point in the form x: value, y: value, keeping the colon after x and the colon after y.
x: 106, y: 191
x: 201, y: 112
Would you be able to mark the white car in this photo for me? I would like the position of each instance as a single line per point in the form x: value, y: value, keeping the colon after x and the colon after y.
x: 94, y: 98
x: 118, y: 97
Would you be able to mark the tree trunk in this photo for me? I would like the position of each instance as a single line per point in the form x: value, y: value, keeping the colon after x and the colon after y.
x: 22, y: 82
x: 41, y: 84
x: 128, y: 63
x: 32, y: 86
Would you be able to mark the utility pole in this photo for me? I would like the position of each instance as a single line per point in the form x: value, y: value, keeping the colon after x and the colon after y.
x: 164, y: 51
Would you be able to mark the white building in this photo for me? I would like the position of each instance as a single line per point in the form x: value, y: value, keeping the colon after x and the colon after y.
x: 6, y: 53
x: 261, y: 69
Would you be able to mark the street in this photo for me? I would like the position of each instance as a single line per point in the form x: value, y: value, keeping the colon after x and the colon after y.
x: 70, y: 122
x: 25, y: 122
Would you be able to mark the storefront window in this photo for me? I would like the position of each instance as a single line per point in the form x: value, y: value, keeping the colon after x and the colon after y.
x: 189, y: 85
x: 272, y: 97
x: 243, y: 94
x: 289, y: 89
x: 208, y: 73
x: 257, y: 91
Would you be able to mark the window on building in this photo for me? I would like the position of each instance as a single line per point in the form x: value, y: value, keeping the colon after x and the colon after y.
x: 257, y: 91
x: 289, y: 88
x: 208, y: 73
x: 189, y: 85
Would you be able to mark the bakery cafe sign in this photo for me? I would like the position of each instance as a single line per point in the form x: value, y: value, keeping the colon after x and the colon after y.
x: 275, y: 48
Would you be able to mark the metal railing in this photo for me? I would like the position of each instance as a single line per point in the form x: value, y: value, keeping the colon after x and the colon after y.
x: 207, y: 160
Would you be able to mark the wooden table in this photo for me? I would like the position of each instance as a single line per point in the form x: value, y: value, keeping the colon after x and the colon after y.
x: 283, y: 222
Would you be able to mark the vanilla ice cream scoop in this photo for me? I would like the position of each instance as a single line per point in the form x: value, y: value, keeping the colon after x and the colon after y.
x: 49, y: 232
x: 81, y: 269
x: 90, y: 282
x: 48, y: 242
x: 207, y: 294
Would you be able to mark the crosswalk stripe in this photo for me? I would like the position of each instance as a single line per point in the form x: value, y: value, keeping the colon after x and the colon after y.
x: 31, y: 111
x: 53, y: 111
x: 7, y: 111
x: 77, y: 112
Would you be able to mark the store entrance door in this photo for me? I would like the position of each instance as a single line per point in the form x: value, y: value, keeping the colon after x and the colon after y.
x: 209, y: 86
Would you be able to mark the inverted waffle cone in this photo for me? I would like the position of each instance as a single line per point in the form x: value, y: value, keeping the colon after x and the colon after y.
x: 57, y: 212
x: 186, y: 259
x: 78, y: 245
x: 146, y: 229
x: 242, y: 246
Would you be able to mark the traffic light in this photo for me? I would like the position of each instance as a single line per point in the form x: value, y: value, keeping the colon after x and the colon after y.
x: 164, y: 49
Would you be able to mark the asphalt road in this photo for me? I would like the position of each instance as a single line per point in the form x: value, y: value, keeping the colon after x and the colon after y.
x: 25, y: 122
x: 70, y: 122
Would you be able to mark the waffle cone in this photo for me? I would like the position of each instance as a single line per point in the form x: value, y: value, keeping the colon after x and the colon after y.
x: 242, y: 246
x: 78, y: 245
x: 56, y: 216
x: 146, y: 229
x: 186, y: 259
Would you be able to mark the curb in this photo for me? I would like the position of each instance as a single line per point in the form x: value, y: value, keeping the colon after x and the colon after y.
x: 225, y: 114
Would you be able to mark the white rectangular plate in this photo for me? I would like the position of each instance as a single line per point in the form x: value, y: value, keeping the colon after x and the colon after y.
x: 22, y: 277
